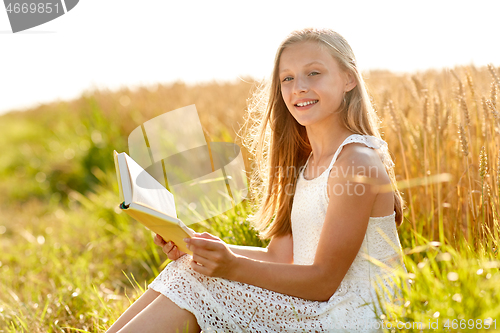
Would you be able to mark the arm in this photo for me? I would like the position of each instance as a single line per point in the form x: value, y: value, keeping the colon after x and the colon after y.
x: 343, y: 231
x: 280, y: 250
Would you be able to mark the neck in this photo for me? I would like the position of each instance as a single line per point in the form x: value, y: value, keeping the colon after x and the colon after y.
x: 325, y: 138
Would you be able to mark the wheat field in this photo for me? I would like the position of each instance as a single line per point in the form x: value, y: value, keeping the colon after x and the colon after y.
x: 70, y: 262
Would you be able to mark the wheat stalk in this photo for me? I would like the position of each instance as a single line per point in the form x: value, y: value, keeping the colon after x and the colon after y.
x: 463, y: 141
x: 396, y: 125
x: 425, y: 112
x: 461, y: 90
x: 494, y: 74
x: 483, y: 163
x: 447, y: 117
x: 493, y: 94
x: 418, y: 85
x: 498, y: 174
x: 483, y: 171
x: 438, y: 132
x: 488, y: 192
x: 465, y: 110
x: 487, y: 201
x: 470, y: 84
x: 437, y: 118
x: 465, y: 151
x: 493, y: 111
x: 486, y: 115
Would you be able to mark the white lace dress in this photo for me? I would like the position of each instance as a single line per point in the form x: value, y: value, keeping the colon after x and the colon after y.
x: 222, y: 305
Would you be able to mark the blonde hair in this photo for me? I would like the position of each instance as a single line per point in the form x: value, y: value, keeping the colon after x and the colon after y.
x: 280, y: 146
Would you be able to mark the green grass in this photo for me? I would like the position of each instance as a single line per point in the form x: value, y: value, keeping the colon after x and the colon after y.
x: 69, y: 259
x: 71, y: 262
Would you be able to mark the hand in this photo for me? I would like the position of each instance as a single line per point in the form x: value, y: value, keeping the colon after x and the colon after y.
x: 169, y: 248
x: 211, y: 256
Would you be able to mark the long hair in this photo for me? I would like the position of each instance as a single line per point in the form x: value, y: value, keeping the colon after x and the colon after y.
x: 280, y: 146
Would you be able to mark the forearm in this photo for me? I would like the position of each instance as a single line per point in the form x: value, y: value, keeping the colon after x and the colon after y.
x: 304, y: 281
x: 252, y: 252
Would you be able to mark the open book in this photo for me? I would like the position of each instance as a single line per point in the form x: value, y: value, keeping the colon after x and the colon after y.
x: 147, y: 201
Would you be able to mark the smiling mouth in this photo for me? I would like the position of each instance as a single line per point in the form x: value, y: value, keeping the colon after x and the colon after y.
x: 307, y: 103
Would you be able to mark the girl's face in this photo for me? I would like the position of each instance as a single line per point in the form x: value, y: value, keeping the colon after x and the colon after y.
x: 312, y: 83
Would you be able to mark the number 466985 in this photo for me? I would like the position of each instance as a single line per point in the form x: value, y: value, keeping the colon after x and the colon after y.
x: 471, y: 323
x: 33, y: 8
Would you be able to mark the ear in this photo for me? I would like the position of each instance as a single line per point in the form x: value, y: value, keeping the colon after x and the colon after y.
x: 350, y: 82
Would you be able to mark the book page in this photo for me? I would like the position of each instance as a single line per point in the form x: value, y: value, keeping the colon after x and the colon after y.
x: 147, y: 190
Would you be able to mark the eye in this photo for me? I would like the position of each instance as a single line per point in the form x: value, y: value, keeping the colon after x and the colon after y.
x: 288, y: 78
x: 313, y: 73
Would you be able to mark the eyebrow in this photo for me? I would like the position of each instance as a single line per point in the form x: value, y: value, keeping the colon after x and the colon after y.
x: 306, y: 65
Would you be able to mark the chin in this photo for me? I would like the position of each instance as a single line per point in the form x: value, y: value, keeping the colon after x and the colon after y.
x: 305, y: 121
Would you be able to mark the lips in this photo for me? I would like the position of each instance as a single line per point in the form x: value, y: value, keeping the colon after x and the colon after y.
x: 305, y: 103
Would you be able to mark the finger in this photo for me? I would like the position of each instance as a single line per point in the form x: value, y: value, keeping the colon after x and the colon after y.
x: 202, y: 252
x: 206, y: 235
x: 200, y: 269
x: 202, y: 261
x: 172, y: 247
x: 205, y: 269
x: 173, y: 254
x: 176, y: 253
x: 207, y: 244
x: 158, y: 240
x: 168, y: 247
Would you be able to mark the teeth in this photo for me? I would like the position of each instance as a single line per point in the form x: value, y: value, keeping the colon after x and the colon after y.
x: 307, y: 103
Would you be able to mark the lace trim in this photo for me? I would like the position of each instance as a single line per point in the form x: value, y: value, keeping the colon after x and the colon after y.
x: 368, y: 140
x: 373, y: 142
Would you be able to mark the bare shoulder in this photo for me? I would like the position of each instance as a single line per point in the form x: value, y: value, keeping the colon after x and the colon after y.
x: 360, y: 173
x: 356, y: 159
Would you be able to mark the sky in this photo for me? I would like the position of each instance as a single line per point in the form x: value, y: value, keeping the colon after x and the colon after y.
x: 124, y: 43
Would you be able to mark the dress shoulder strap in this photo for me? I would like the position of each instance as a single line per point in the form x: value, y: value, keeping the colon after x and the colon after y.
x: 370, y: 141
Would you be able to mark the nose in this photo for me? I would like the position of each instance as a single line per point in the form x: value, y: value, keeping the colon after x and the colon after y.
x: 300, y: 85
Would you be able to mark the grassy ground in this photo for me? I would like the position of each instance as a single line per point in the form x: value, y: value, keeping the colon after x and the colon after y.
x: 69, y: 261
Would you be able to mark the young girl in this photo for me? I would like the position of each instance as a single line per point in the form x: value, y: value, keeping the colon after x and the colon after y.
x: 325, y: 221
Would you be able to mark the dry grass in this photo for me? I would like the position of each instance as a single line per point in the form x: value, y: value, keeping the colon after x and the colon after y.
x: 62, y: 256
x: 463, y: 124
